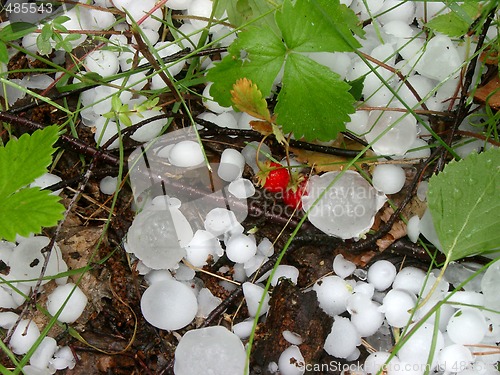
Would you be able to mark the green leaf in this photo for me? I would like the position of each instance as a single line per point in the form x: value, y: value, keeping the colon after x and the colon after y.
x: 240, y: 12
x: 313, y: 102
x: 257, y: 54
x: 465, y: 205
x: 457, y: 22
x: 23, y: 160
x: 4, y: 54
x: 309, y: 27
x: 16, y: 30
x: 27, y: 211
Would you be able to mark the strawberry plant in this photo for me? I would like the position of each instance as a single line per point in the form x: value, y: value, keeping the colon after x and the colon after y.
x: 273, y: 177
x: 313, y: 101
x: 293, y: 194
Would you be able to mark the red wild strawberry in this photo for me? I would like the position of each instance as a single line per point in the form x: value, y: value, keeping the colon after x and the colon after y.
x: 273, y: 177
x: 293, y: 195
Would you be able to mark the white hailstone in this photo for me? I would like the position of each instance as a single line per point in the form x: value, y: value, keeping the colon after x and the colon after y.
x: 347, y: 209
x: 219, y: 221
x: 157, y: 237
x: 291, y: 361
x: 166, y: 49
x: 154, y: 276
x: 210, y: 103
x: 422, y: 85
x: 108, y: 185
x: 397, y: 140
x: 224, y: 119
x: 422, y: 191
x: 224, y: 36
x: 253, y: 295
x: 40, y: 81
x: 397, y: 306
x: 27, y: 261
x: 332, y: 293
x: 240, y: 248
x: 388, y: 178
x: 337, y: 62
x: 13, y: 94
x: 97, y: 19
x: 343, y: 339
x: 207, y: 302
x: 462, y: 297
x: 46, y: 180
x: 169, y: 305
x: 399, y: 10
x: 44, y: 352
x: 381, y: 274
x: 8, y: 319
x: 457, y: 272
x: 244, y: 122
x: 241, y: 188
x: 467, y: 146
x: 150, y: 130
x: 440, y: 58
x: 243, y: 329
x: 489, y: 287
x: 467, y: 326
x: 210, y: 350
x: 283, y: 271
x: 272, y: 367
x: 201, y: 8
x: 413, y: 228
x: 343, y: 267
x: 366, y: 8
x: 104, y: 131
x: 103, y: 62
x: 186, y: 154
x: 255, y: 263
x: 249, y: 152
x: 63, y: 358
x: 410, y: 279
x: 418, y: 347
x: 377, y: 361
x: 150, y: 36
x: 24, y: 336
x: 74, y: 304
x: 365, y: 314
x: 365, y: 288
x: 231, y: 165
x: 202, y: 245
x: 428, y: 230
x: 292, y: 337
x: 266, y: 247
x: 6, y: 299
x: 418, y: 150
x: 178, y: 4
x: 184, y: 273
x: 359, y: 122
x: 398, y: 28
x: 454, y: 358
x: 29, y: 42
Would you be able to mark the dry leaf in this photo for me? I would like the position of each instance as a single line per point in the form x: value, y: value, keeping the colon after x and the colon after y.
x: 489, y: 93
x: 247, y: 97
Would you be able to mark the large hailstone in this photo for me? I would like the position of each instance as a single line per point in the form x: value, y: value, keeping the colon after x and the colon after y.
x: 158, y: 235
x: 169, y: 305
x: 211, y: 350
x: 347, y: 209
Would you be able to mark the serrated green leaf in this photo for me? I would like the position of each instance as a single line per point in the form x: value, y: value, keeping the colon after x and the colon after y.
x: 240, y: 12
x: 457, y: 22
x: 309, y: 28
x: 257, y: 54
x: 314, y: 102
x: 16, y: 30
x: 27, y: 211
x: 465, y: 205
x: 24, y: 159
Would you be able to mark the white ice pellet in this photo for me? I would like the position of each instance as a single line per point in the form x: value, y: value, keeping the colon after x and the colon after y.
x: 255, y: 263
x: 365, y: 314
x: 396, y: 10
x: 241, y: 188
x: 381, y: 274
x: 343, y: 338
x: 365, y: 288
x: 388, y: 178
x: 24, y: 336
x: 210, y: 350
x: 292, y: 337
x: 103, y: 62
x: 40, y: 81
x: 266, y: 247
x: 410, y: 279
x: 418, y: 150
x: 207, y: 302
x: 428, y: 230
x: 46, y: 180
x: 467, y: 326
x: 422, y: 191
x: 186, y: 154
x: 157, y: 275
x: 74, y: 304
x: 253, y: 295
x: 291, y: 361
x: 249, y: 152
x: 440, y: 58
x: 108, y: 185
x: 220, y: 220
x: 178, y: 4
x: 412, y: 228
x: 423, y: 87
x: 332, y: 293
x: 489, y: 287
x: 417, y: 348
x: 244, y: 122
x: 343, y: 267
x: 377, y: 361
x: 398, y: 139
x: 169, y: 305
x: 358, y: 123
x: 231, y: 165
x: 63, y: 358
x: 397, y: 305
x: 202, y: 245
x: 44, y: 352
x: 284, y: 271
x: 243, y: 329
x: 240, y: 248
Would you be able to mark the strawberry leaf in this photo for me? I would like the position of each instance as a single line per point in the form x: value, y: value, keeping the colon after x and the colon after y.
x: 464, y: 204
x: 247, y: 97
x: 314, y: 102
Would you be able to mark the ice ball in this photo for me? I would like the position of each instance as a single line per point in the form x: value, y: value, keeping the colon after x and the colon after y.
x: 381, y: 274
x: 467, y: 326
x: 291, y: 361
x: 343, y: 338
x: 24, y: 336
x: 365, y: 314
x: 186, y: 154
x: 343, y: 267
x: 231, y: 165
x: 397, y: 306
x: 410, y: 279
x: 103, y: 62
x: 240, y: 248
x: 388, y: 178
x: 210, y: 350
x: 417, y: 348
x: 253, y: 295
x: 332, y: 293
x: 75, y: 304
x: 169, y: 305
